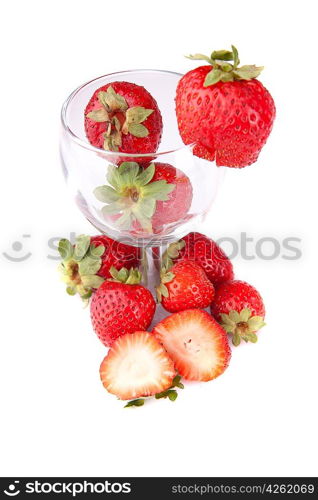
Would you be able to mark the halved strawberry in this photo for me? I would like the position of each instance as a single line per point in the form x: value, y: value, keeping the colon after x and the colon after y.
x: 196, y: 343
x: 136, y: 365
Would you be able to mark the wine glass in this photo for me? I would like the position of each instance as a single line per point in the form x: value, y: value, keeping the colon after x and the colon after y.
x: 87, y: 168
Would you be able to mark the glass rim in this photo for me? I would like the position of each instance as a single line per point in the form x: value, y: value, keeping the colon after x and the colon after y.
x: 87, y: 145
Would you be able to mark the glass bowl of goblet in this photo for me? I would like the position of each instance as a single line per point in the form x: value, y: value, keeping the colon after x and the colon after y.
x: 91, y: 172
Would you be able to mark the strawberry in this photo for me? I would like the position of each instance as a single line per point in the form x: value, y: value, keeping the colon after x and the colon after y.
x: 196, y: 343
x: 122, y: 116
x: 86, y: 264
x: 240, y: 310
x: 121, y: 306
x: 136, y: 365
x: 224, y: 110
x: 145, y: 200
x: 177, y: 206
x: 184, y: 286
x: 204, y: 252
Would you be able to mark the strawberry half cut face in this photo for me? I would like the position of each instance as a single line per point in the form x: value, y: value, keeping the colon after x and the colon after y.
x: 196, y: 343
x: 137, y: 365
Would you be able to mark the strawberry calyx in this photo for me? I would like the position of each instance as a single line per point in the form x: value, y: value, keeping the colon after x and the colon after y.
x: 224, y: 71
x: 125, y: 276
x: 132, y: 195
x: 119, y: 118
x: 172, y: 252
x: 165, y: 277
x: 165, y: 272
x: 80, y: 265
x: 242, y: 325
x: 170, y: 393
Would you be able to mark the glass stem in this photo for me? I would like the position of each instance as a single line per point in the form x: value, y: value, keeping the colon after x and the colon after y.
x: 150, y: 267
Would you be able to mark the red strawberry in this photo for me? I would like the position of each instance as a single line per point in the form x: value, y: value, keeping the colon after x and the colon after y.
x: 143, y: 200
x: 121, y: 306
x: 122, y: 116
x: 116, y: 255
x: 86, y: 264
x: 240, y: 309
x: 196, y: 343
x: 224, y: 110
x: 204, y: 252
x: 136, y: 365
x: 177, y: 206
x: 184, y: 286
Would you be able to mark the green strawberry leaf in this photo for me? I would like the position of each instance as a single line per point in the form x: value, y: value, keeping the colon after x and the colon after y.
x: 96, y: 251
x: 113, y: 177
x: 222, y: 55
x: 163, y: 290
x: 245, y: 314
x: 113, y: 208
x: 135, y: 402
x: 228, y: 328
x: 170, y: 394
x: 86, y: 296
x: 106, y: 194
x: 138, y: 130
x: 81, y: 246
x: 167, y: 277
x: 255, y: 323
x: 212, y: 77
x: 89, y: 265
x: 65, y: 249
x: 177, y: 382
x: 146, y: 175
x: 159, y: 190
x: 236, y: 339
x: 99, y: 115
x: 234, y: 316
x: 200, y: 57
x: 226, y: 320
x: 226, y: 67
x: 146, y: 207
x: 137, y: 114
x: 248, y: 72
x: 174, y: 249
x: 252, y: 337
x: 236, y: 60
x: 128, y: 173
x: 112, y: 101
x: 122, y: 275
x: 92, y: 281
x: 227, y: 77
x: 125, y: 221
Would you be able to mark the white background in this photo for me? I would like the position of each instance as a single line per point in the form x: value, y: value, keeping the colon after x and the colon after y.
x: 260, y: 417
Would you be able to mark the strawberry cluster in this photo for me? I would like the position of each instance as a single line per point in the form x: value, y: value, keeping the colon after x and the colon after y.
x: 226, y: 114
x: 197, y: 286
x: 223, y: 111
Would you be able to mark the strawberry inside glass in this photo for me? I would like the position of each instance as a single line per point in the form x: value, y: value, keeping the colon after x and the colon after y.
x: 123, y: 117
